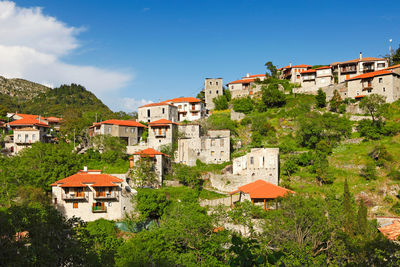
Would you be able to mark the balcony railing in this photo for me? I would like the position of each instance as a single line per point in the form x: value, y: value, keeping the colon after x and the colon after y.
x: 106, y: 195
x: 75, y: 196
x: 348, y: 69
x: 96, y: 209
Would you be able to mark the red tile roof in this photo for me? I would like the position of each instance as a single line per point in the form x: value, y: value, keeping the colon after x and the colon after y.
x: 161, y: 122
x: 308, y: 71
x: 359, y: 60
x: 393, y: 67
x: 359, y: 96
x: 287, y: 67
x: 371, y: 74
x: 27, y: 121
x: 149, y: 152
x: 263, y: 189
x: 243, y: 81
x: 82, y: 178
x: 156, y: 104
x: 25, y: 116
x: 53, y: 119
x: 122, y: 123
x: 255, y: 76
x: 302, y: 66
x: 183, y: 99
x: 323, y: 68
x: 391, y: 231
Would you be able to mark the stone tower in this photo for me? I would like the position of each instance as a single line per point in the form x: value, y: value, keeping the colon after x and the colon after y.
x: 212, y: 89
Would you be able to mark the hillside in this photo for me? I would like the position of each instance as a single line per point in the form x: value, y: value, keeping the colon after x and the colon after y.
x: 21, y: 89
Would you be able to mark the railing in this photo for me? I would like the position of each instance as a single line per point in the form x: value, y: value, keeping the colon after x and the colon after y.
x: 106, y: 195
x: 99, y: 209
x: 348, y: 69
x: 75, y: 196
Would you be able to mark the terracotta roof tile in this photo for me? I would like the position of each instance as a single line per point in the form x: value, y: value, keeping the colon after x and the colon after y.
x: 255, y: 76
x: 156, y: 104
x: 302, y: 66
x: 359, y: 60
x: 371, y: 74
x: 323, y: 68
x: 391, y: 231
x: 183, y: 99
x: 243, y: 81
x: 161, y: 122
x: 393, y: 67
x: 308, y: 71
x: 82, y: 178
x: 263, y: 189
x: 28, y: 121
x: 122, y: 123
x: 149, y: 152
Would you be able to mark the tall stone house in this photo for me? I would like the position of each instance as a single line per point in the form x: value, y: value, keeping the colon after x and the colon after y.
x: 212, y: 89
x: 351, y: 68
x: 161, y: 132
x: 129, y: 131
x: 383, y: 82
x: 292, y: 73
x: 158, y: 111
x: 246, y: 86
x: 189, y: 108
x: 212, y: 147
x: 313, y: 79
x: 91, y: 195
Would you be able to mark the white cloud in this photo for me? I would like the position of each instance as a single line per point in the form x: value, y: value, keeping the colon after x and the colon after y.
x: 32, y: 45
x: 131, y: 104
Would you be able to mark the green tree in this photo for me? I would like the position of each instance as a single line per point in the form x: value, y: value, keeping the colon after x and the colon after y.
x: 271, y: 69
x: 151, y: 203
x: 369, y: 171
x: 348, y: 210
x: 220, y: 103
x: 375, y: 105
x: 362, y: 220
x: 272, y: 96
x: 321, y: 98
x: 244, y: 105
x: 335, y: 102
x: 144, y: 173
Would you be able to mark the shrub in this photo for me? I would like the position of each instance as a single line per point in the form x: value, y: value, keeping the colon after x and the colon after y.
x: 243, y: 105
x: 321, y: 98
x: 369, y: 129
x: 369, y: 171
x: 221, y: 103
x: 395, y: 208
x: 272, y: 96
x: 290, y: 166
x: 394, y: 175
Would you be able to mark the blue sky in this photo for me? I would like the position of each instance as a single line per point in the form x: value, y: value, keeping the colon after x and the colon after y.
x: 165, y: 49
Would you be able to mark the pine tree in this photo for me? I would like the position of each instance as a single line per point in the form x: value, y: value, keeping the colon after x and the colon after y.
x: 348, y: 212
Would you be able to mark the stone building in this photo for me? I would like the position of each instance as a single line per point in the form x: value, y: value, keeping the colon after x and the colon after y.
x: 351, y: 68
x: 211, y: 148
x: 382, y: 82
x: 162, y: 132
x: 313, y: 79
x: 91, y: 195
x: 159, y: 159
x: 246, y: 86
x: 189, y: 108
x: 27, y: 131
x: 158, y: 111
x: 129, y: 131
x: 212, y: 89
x: 292, y: 73
x: 259, y: 163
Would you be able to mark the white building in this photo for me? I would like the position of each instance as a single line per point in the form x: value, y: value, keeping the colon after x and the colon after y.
x: 91, y: 195
x: 161, y: 132
x: 246, y: 86
x: 189, y: 108
x: 292, y: 73
x: 158, y: 111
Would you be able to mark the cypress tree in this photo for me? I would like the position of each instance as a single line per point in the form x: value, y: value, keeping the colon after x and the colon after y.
x: 362, y: 221
x: 348, y: 213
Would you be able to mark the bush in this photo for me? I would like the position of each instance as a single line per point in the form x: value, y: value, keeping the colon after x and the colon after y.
x: 394, y: 175
x: 369, y: 171
x: 369, y: 129
x: 243, y: 105
x: 272, y: 96
x: 380, y: 155
x: 221, y: 121
x: 290, y: 166
x: 396, y: 208
x: 221, y: 103
x: 321, y: 98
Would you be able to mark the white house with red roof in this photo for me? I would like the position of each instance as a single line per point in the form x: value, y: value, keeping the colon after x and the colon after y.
x: 351, y: 68
x: 158, y: 111
x: 129, y: 131
x: 246, y: 86
x: 189, y: 108
x: 313, y: 79
x: 383, y: 82
x: 158, y: 159
x: 91, y: 195
x: 292, y: 73
x: 162, y: 133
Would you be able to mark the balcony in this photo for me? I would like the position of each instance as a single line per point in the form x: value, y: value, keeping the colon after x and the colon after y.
x: 308, y: 78
x: 106, y: 195
x: 25, y: 141
x: 158, y: 134
x: 348, y: 69
x: 368, y: 68
x: 75, y: 196
x: 98, y: 209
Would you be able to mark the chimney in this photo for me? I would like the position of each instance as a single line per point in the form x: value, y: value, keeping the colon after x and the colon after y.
x: 85, y: 169
x: 360, y: 55
x: 290, y: 64
x: 248, y: 75
x: 131, y: 163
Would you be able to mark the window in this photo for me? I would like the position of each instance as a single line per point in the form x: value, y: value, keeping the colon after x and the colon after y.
x: 19, y: 136
x: 380, y: 80
x: 384, y: 89
x: 212, y: 153
x: 210, y: 92
x: 33, y: 137
x: 221, y: 142
x: 179, y: 106
x: 148, y: 113
x: 216, y: 83
x: 210, y: 83
x: 212, y: 142
x: 75, y: 205
x: 222, y: 153
x: 109, y: 129
x: 55, y: 201
x: 163, y: 111
x: 132, y: 130
x: 298, y: 76
x: 381, y: 65
x: 127, y: 130
x: 26, y: 137
x: 251, y: 160
x: 217, y: 92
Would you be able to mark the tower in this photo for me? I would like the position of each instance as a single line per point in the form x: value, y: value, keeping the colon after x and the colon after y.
x: 212, y: 89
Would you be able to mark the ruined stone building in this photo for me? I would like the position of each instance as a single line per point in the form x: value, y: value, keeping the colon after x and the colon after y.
x: 211, y: 147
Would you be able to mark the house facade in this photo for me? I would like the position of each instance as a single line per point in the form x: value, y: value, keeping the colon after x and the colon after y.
x: 352, y: 68
x: 211, y: 148
x: 189, y: 108
x: 159, y: 160
x: 292, y: 73
x: 313, y: 79
x: 91, y: 195
x: 382, y: 82
x: 246, y: 86
x: 212, y: 89
x: 128, y: 131
x: 259, y: 163
x: 161, y: 132
x: 158, y: 111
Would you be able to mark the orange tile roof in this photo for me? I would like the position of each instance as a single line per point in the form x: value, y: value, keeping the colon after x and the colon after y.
x: 25, y: 116
x: 53, y: 119
x: 287, y: 67
x: 359, y: 96
x: 308, y: 71
x: 28, y: 121
x: 393, y: 67
x: 156, y: 104
x: 371, y: 74
x: 183, y: 99
x: 149, y: 152
x: 391, y: 231
x: 302, y: 66
x: 243, y: 81
x: 358, y: 60
x: 263, y: 189
x: 81, y: 178
x: 323, y: 68
x: 161, y: 122
x: 122, y: 123
x: 255, y: 76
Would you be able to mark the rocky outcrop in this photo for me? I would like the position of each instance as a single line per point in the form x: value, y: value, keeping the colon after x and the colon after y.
x: 22, y: 89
